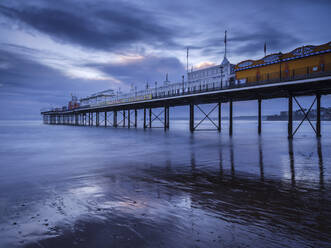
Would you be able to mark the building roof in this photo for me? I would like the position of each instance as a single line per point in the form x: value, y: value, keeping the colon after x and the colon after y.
x: 274, y: 58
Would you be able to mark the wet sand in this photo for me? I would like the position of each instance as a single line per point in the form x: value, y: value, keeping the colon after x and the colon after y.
x: 90, y: 187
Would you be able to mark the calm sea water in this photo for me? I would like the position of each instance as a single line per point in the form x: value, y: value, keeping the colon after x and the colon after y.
x: 64, y: 186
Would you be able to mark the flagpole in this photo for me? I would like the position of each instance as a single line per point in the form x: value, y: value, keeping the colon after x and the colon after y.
x: 225, y: 44
x: 187, y: 60
x: 265, y: 49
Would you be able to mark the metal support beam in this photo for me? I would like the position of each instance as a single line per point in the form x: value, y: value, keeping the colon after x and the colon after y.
x: 150, y: 117
x: 259, y: 116
x: 290, y: 117
x: 129, y: 121
x: 165, y: 118
x: 219, y: 116
x: 115, y: 118
x: 191, y: 117
x: 230, y: 118
x: 144, y: 118
x: 168, y: 117
x: 124, y: 118
x: 105, y: 118
x: 318, y: 117
x: 135, y: 118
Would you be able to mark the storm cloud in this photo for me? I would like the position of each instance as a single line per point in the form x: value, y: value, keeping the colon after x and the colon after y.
x: 118, y: 26
x: 49, y: 49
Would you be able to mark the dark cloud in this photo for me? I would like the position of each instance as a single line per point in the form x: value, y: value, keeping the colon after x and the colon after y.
x: 251, y: 42
x: 125, y: 27
x: 108, y: 29
x: 27, y: 85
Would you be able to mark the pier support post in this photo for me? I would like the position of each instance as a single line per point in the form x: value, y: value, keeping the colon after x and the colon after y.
x: 150, y: 117
x: 115, y: 118
x: 165, y: 118
x: 191, y: 117
x: 129, y: 121
x: 124, y: 118
x: 97, y: 118
x: 135, y: 118
x: 219, y: 116
x: 290, y: 117
x: 230, y: 118
x: 318, y: 117
x: 105, y: 118
x: 168, y: 117
x: 89, y: 118
x: 259, y: 129
x: 144, y: 118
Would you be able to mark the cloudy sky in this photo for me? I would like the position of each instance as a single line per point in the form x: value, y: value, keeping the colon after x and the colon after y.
x: 49, y: 49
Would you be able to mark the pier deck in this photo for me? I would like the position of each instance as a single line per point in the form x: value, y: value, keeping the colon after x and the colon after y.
x: 316, y: 85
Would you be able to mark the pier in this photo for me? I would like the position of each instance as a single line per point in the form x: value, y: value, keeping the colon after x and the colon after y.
x: 125, y: 114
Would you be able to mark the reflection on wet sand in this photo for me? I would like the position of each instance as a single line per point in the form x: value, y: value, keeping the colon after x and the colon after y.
x: 211, y: 207
x: 221, y: 161
x: 175, y: 190
x: 274, y: 204
x: 291, y: 154
x: 231, y: 157
x: 320, y: 162
x: 261, y: 159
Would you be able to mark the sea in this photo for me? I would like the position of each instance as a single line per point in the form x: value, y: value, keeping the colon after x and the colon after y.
x: 79, y: 186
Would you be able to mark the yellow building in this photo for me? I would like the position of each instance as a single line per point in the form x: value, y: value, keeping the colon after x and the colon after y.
x: 299, y: 63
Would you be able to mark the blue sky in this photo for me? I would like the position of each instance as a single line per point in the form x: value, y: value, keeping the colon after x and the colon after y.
x: 49, y: 49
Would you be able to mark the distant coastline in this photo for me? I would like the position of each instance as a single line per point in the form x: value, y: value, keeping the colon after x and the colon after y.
x: 299, y: 115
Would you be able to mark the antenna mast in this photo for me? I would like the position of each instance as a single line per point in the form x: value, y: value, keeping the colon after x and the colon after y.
x: 225, y: 44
